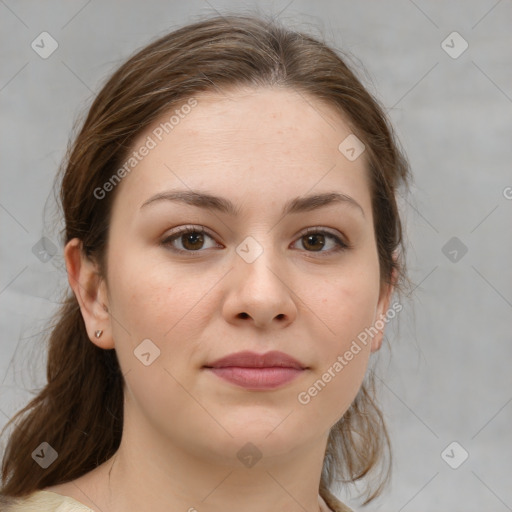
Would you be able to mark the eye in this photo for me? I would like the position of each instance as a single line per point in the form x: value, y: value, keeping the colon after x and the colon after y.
x: 315, y: 238
x: 192, y: 239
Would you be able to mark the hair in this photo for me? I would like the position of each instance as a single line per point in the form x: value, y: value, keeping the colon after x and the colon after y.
x: 79, y: 412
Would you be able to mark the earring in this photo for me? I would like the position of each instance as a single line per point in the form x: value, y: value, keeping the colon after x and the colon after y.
x: 98, y: 333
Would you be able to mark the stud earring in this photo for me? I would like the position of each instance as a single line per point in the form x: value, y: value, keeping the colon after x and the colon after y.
x: 98, y: 333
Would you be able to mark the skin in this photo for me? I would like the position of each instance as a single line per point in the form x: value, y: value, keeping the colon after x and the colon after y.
x: 183, y: 426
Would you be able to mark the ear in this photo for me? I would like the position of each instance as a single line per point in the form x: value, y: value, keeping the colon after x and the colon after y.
x: 382, y: 307
x: 91, y: 293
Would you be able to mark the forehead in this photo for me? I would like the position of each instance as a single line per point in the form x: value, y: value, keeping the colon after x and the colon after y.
x: 269, y: 116
x: 272, y: 140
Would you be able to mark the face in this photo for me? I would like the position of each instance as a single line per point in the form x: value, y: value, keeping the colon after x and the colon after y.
x: 305, y: 282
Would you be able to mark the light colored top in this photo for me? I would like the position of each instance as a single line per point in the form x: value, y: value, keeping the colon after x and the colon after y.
x: 48, y: 501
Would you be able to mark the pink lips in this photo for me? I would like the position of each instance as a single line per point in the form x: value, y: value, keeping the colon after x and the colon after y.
x: 257, y: 371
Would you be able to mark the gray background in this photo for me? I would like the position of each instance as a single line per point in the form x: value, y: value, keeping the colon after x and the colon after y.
x: 446, y: 377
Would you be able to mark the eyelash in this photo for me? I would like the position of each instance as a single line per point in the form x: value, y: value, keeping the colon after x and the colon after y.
x: 340, y: 244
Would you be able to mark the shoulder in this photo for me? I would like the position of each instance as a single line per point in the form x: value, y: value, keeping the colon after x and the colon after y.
x: 48, y: 501
x: 42, y: 501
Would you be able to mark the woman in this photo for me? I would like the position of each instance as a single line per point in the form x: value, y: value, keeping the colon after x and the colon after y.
x: 232, y: 243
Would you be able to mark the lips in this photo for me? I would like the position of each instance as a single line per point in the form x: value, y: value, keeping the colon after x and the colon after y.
x: 257, y: 371
x: 249, y: 359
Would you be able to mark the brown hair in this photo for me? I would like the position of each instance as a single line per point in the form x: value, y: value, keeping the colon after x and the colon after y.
x: 80, y: 410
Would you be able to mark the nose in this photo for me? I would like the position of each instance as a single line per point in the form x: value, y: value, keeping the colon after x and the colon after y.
x: 261, y: 293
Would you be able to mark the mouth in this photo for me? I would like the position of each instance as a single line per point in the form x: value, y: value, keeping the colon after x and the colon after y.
x: 257, y: 378
x: 257, y: 371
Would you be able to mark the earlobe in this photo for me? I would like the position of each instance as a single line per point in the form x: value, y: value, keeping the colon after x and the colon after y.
x: 90, y: 291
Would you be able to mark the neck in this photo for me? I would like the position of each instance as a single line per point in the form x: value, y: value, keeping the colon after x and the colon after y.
x: 143, y: 475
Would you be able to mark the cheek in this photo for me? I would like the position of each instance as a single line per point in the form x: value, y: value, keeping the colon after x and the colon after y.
x: 154, y: 301
x: 348, y: 305
x: 329, y: 394
x: 150, y: 297
x: 347, y: 310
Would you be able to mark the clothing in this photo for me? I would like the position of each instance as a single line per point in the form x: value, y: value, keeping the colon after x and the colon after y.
x: 48, y: 501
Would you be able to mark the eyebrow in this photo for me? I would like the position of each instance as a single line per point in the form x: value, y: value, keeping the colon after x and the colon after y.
x: 223, y: 205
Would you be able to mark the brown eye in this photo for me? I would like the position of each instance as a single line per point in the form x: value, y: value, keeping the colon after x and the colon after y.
x: 314, y: 240
x: 192, y: 239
